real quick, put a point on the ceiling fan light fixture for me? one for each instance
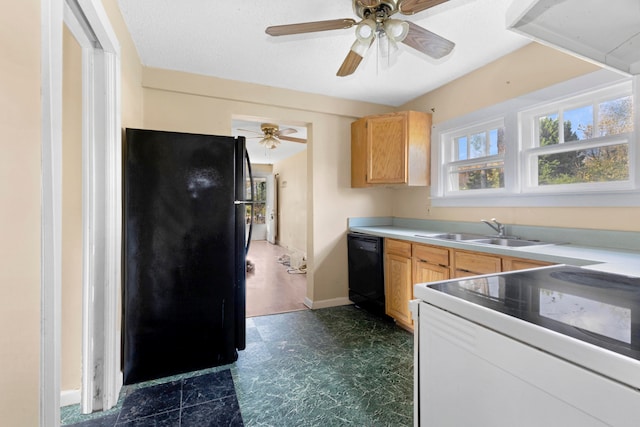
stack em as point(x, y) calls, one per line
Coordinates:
point(396, 29)
point(366, 30)
point(270, 142)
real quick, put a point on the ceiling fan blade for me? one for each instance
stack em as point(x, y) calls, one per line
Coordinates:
point(292, 139)
point(427, 42)
point(310, 27)
point(355, 56)
point(249, 130)
point(287, 131)
point(349, 64)
point(409, 7)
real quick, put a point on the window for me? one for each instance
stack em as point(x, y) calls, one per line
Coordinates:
point(475, 158)
point(577, 149)
point(579, 144)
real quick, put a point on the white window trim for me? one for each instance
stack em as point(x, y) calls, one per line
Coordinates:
point(513, 194)
point(530, 135)
point(448, 150)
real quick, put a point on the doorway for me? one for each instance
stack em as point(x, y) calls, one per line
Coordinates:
point(276, 279)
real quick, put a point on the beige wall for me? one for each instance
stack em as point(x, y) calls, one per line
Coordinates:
point(192, 103)
point(292, 202)
point(525, 70)
point(261, 168)
point(20, 212)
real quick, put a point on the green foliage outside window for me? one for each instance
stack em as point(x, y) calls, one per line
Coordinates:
point(600, 164)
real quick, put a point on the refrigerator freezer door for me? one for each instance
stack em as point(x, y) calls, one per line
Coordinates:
point(184, 254)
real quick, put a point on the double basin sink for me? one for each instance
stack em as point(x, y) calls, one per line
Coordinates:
point(478, 238)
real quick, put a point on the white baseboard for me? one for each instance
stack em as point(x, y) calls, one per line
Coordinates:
point(69, 397)
point(334, 302)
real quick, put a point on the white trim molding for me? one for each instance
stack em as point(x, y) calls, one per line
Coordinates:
point(51, 213)
point(69, 397)
point(102, 378)
point(326, 303)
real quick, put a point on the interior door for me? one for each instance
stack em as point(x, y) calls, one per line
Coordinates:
point(272, 208)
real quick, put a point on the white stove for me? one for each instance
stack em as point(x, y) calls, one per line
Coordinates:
point(556, 346)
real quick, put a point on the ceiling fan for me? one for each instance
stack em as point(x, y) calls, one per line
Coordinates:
point(272, 134)
point(376, 22)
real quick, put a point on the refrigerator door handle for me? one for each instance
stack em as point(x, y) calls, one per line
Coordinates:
point(251, 202)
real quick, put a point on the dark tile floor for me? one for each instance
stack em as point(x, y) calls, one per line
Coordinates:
point(330, 367)
point(202, 400)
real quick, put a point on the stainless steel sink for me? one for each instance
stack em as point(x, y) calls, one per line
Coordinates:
point(485, 240)
point(509, 242)
point(457, 236)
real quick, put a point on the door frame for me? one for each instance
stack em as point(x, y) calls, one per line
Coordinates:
point(102, 218)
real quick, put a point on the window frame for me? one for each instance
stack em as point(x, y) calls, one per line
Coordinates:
point(530, 135)
point(449, 150)
point(517, 190)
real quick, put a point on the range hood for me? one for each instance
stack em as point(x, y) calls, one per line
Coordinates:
point(603, 31)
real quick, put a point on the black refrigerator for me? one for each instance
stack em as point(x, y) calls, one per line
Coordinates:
point(185, 247)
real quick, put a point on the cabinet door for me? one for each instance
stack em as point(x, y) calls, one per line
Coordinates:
point(398, 288)
point(424, 272)
point(387, 149)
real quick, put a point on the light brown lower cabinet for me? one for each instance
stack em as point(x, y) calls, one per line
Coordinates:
point(409, 263)
point(399, 289)
point(405, 265)
point(398, 286)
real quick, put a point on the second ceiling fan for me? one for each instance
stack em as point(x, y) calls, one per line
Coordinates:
point(376, 23)
point(272, 134)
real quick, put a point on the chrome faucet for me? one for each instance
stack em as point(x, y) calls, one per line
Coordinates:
point(498, 226)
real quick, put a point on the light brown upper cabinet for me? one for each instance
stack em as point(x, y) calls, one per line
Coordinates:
point(391, 149)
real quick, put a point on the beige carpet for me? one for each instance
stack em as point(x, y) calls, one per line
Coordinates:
point(270, 288)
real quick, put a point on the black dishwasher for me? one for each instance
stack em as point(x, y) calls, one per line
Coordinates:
point(366, 271)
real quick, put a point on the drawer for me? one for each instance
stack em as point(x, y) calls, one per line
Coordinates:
point(431, 255)
point(513, 264)
point(477, 263)
point(397, 247)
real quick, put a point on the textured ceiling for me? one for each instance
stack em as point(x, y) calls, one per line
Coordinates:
point(226, 39)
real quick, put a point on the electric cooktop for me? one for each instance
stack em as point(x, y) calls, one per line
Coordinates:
point(602, 309)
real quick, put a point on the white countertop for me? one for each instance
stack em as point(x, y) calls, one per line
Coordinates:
point(601, 259)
